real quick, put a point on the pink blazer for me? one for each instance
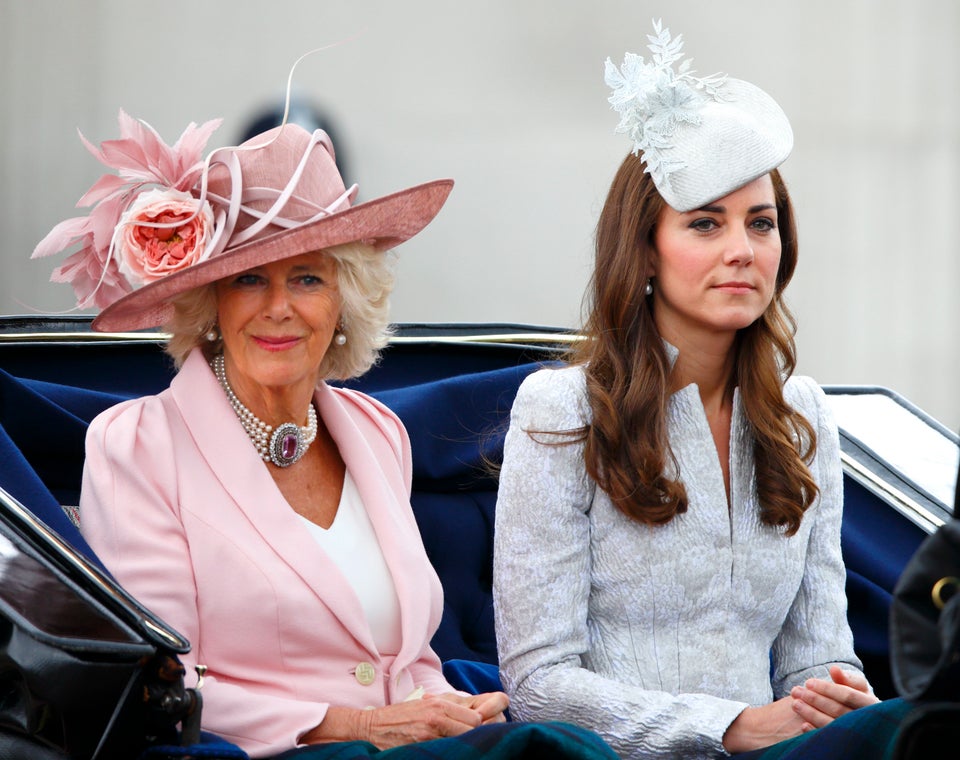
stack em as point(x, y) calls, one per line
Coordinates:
point(180, 508)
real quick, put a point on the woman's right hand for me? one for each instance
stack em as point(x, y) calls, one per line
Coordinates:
point(758, 727)
point(416, 720)
point(821, 700)
point(491, 705)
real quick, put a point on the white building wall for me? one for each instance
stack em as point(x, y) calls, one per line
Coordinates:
point(507, 97)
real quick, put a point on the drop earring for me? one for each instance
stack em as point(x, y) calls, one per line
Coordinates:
point(648, 290)
point(212, 334)
point(339, 337)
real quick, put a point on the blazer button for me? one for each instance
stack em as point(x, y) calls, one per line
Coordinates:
point(365, 673)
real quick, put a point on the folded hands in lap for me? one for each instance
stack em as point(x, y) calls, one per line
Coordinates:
point(416, 720)
point(813, 705)
point(821, 700)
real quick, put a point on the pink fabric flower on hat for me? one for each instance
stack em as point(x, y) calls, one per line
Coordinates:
point(142, 160)
point(162, 232)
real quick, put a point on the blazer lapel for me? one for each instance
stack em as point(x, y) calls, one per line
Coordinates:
point(357, 426)
point(223, 443)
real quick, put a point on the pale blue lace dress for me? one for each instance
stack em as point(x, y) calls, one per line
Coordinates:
point(657, 637)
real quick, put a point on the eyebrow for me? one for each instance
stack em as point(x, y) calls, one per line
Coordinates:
point(297, 269)
point(713, 209)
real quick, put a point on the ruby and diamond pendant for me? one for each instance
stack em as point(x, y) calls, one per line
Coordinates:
point(286, 445)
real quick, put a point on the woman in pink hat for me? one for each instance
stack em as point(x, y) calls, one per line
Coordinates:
point(259, 511)
point(667, 566)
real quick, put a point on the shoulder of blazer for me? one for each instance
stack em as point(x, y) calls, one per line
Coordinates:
point(370, 413)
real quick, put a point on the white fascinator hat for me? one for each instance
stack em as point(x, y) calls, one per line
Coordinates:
point(699, 137)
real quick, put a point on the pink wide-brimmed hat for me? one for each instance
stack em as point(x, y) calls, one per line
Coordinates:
point(179, 222)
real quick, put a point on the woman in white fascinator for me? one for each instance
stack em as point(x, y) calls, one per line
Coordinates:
point(667, 563)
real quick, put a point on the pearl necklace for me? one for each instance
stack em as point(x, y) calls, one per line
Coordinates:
point(287, 443)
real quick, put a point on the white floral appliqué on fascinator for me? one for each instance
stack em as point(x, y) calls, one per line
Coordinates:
point(653, 100)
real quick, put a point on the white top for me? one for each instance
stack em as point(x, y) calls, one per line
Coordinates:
point(658, 637)
point(352, 544)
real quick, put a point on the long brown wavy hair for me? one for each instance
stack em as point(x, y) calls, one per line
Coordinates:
point(627, 450)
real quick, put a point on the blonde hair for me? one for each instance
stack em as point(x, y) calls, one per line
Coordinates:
point(365, 278)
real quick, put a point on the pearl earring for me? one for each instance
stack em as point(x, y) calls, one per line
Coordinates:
point(340, 339)
point(648, 290)
point(212, 334)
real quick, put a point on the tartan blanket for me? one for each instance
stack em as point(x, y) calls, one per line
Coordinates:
point(869, 733)
point(497, 741)
point(866, 734)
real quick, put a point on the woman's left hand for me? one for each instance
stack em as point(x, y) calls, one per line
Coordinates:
point(821, 700)
point(490, 705)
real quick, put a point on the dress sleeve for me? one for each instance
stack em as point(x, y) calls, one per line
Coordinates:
point(816, 633)
point(542, 580)
point(130, 516)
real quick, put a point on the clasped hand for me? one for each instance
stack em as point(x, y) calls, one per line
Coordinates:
point(433, 717)
point(430, 717)
point(821, 700)
point(813, 705)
